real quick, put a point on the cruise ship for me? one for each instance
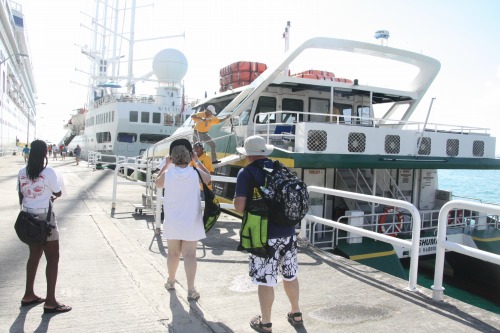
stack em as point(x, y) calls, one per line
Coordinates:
point(123, 114)
point(17, 83)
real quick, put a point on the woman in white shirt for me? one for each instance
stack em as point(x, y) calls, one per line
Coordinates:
point(37, 187)
point(183, 222)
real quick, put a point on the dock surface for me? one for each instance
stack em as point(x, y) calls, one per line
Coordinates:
point(112, 271)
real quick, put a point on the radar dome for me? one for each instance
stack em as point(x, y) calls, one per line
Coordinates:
point(170, 65)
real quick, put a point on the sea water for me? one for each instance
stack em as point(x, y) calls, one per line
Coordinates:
point(476, 185)
point(479, 185)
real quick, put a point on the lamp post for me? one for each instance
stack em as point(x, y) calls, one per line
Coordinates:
point(13, 55)
point(36, 121)
point(28, 128)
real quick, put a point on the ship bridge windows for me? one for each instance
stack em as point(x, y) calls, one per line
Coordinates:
point(133, 116)
point(151, 138)
point(156, 117)
point(364, 114)
point(317, 107)
point(126, 137)
point(264, 106)
point(345, 111)
point(290, 104)
point(144, 117)
point(102, 137)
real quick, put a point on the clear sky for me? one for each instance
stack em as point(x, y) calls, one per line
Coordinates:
point(464, 35)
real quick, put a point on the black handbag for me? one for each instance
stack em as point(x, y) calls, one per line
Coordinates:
point(32, 230)
point(212, 206)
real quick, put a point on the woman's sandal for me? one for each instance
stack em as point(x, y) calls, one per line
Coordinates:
point(256, 324)
point(291, 318)
point(61, 308)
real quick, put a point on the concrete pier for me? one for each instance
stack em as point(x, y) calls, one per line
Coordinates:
point(112, 271)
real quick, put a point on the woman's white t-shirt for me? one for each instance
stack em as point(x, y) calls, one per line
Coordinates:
point(182, 205)
point(37, 193)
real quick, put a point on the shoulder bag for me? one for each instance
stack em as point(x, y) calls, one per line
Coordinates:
point(212, 206)
point(32, 230)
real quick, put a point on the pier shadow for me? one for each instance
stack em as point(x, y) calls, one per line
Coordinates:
point(359, 272)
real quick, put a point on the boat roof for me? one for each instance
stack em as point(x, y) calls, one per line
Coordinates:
point(428, 68)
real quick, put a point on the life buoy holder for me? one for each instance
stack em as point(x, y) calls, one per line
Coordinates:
point(398, 225)
point(455, 216)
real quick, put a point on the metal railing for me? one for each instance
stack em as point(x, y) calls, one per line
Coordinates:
point(412, 244)
point(264, 125)
point(9, 151)
point(443, 244)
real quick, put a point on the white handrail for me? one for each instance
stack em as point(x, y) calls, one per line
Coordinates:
point(412, 245)
point(116, 182)
point(443, 244)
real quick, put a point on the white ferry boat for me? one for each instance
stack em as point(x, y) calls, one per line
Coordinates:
point(350, 133)
point(117, 120)
point(17, 84)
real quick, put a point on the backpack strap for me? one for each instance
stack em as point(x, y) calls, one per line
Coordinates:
point(205, 187)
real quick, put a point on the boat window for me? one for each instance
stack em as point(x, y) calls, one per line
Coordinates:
point(144, 117)
point(245, 115)
point(264, 106)
point(134, 116)
point(151, 138)
point(126, 137)
point(102, 137)
point(290, 104)
point(156, 117)
point(364, 114)
point(345, 110)
point(317, 107)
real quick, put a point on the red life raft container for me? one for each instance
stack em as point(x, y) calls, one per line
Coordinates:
point(239, 74)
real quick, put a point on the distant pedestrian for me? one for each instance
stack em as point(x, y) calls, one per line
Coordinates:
point(55, 151)
point(37, 186)
point(26, 153)
point(49, 150)
point(183, 223)
point(282, 242)
point(77, 152)
point(64, 152)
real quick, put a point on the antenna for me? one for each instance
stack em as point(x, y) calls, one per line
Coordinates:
point(382, 35)
point(286, 36)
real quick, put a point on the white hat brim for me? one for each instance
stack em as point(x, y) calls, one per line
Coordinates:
point(268, 151)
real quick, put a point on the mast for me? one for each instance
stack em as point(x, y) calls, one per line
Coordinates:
point(131, 47)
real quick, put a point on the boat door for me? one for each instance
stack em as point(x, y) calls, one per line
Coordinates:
point(316, 177)
point(428, 186)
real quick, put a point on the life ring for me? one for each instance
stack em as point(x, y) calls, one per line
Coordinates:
point(382, 228)
point(455, 216)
